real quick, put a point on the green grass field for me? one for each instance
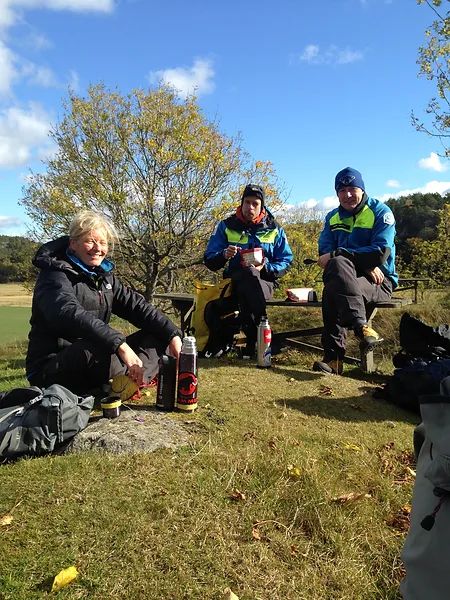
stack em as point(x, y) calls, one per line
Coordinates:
point(14, 323)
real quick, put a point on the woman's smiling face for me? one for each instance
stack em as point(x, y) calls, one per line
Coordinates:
point(92, 248)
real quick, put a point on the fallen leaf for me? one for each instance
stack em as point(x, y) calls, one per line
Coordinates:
point(228, 595)
point(273, 444)
point(291, 379)
point(6, 520)
point(64, 577)
point(325, 390)
point(238, 495)
point(400, 520)
point(282, 415)
point(163, 492)
point(410, 471)
point(351, 497)
point(294, 471)
point(255, 533)
point(352, 447)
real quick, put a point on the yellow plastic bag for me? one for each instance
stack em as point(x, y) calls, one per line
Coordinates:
point(204, 293)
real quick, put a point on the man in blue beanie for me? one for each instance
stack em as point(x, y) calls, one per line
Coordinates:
point(357, 254)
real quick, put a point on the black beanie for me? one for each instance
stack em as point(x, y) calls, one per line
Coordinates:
point(253, 190)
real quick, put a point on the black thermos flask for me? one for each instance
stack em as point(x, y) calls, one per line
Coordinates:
point(167, 383)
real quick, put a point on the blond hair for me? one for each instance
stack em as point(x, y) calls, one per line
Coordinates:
point(87, 221)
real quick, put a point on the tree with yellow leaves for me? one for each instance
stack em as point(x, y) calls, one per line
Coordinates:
point(155, 166)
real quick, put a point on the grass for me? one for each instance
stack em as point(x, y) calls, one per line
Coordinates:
point(250, 504)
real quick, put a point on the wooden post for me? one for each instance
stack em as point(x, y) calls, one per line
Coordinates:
point(367, 362)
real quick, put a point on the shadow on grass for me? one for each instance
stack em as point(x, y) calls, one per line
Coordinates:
point(353, 409)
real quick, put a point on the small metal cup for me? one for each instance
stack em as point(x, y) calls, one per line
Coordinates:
point(111, 407)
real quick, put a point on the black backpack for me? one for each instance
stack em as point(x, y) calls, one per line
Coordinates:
point(35, 421)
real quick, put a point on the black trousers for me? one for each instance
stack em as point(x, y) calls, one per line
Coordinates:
point(251, 292)
point(83, 366)
point(345, 296)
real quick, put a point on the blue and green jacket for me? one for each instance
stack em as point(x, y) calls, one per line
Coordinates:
point(266, 234)
point(366, 236)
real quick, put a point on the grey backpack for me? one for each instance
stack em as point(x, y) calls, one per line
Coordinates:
point(36, 421)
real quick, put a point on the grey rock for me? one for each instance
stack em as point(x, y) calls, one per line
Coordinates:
point(143, 430)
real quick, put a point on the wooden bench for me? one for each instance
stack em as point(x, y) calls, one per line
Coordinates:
point(185, 303)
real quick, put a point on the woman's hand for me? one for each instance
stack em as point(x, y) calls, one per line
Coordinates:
point(175, 347)
point(129, 357)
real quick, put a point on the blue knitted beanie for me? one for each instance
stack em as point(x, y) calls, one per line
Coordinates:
point(348, 177)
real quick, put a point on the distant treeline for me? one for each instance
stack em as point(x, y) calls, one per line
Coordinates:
point(16, 253)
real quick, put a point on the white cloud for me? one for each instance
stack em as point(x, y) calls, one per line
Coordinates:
point(43, 76)
point(7, 223)
point(193, 80)
point(23, 135)
point(433, 163)
point(429, 188)
point(8, 72)
point(331, 55)
point(393, 183)
point(10, 10)
point(320, 205)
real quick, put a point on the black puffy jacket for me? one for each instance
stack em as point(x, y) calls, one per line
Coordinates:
point(69, 304)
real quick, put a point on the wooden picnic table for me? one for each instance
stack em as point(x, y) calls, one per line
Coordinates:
point(185, 302)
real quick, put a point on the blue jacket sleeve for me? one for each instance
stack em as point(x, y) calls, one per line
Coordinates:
point(280, 261)
point(327, 242)
point(213, 257)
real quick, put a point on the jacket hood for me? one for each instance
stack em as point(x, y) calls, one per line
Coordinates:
point(52, 255)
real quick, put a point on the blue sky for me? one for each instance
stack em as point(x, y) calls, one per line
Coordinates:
point(313, 86)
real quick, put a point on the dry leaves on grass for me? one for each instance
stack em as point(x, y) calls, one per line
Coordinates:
point(8, 518)
point(352, 447)
point(294, 471)
point(272, 445)
point(229, 595)
point(64, 577)
point(399, 521)
point(238, 495)
point(398, 464)
point(351, 497)
point(325, 390)
point(261, 537)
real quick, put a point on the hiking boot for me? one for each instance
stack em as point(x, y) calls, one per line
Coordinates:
point(369, 338)
point(123, 387)
point(336, 367)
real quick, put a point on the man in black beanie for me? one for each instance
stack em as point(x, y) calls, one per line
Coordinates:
point(357, 254)
point(253, 274)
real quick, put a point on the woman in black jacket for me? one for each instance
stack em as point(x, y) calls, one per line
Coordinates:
point(71, 341)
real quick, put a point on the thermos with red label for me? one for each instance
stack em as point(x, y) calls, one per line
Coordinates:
point(187, 376)
point(263, 341)
point(167, 383)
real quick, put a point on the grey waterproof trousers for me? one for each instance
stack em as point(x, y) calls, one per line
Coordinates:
point(344, 299)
